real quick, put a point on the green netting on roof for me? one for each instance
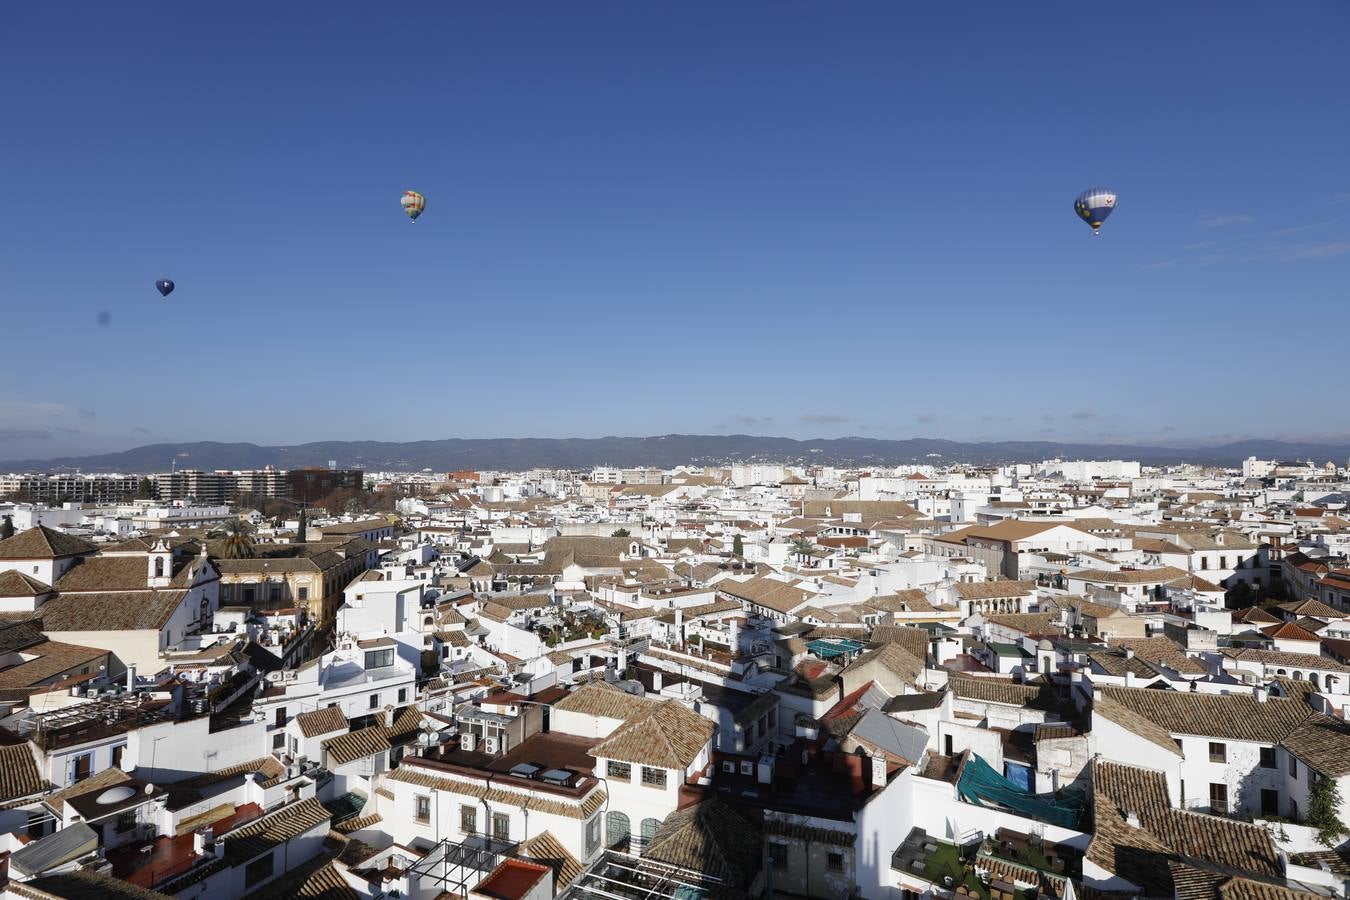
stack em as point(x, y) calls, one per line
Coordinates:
point(829, 648)
point(982, 786)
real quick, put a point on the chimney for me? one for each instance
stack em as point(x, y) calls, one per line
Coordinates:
point(1129, 678)
point(878, 771)
point(735, 636)
point(131, 676)
point(656, 682)
point(1129, 653)
point(1261, 694)
point(679, 624)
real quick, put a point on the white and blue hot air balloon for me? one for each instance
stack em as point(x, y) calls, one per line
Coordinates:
point(1094, 205)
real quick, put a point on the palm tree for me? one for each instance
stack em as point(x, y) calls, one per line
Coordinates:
point(238, 539)
point(803, 546)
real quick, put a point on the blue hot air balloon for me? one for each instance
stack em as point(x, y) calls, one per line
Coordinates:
point(1094, 205)
point(164, 286)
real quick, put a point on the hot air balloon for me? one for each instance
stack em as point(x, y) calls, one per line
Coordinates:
point(1094, 205)
point(413, 204)
point(164, 286)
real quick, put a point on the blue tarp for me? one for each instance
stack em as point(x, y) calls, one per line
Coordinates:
point(981, 785)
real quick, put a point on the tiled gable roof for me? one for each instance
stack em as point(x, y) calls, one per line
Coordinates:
point(17, 584)
point(994, 590)
point(19, 775)
point(998, 690)
point(709, 837)
point(1238, 717)
point(893, 658)
point(547, 849)
point(1162, 651)
point(603, 700)
point(354, 745)
point(130, 611)
point(321, 721)
point(1027, 623)
point(669, 736)
point(42, 542)
point(1143, 854)
point(257, 837)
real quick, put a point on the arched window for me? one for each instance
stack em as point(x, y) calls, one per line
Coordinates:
point(617, 830)
point(159, 567)
point(1298, 676)
point(649, 827)
point(1312, 676)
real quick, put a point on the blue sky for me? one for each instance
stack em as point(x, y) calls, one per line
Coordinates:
point(807, 219)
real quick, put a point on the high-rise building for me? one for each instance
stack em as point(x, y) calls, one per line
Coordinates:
point(41, 487)
point(311, 485)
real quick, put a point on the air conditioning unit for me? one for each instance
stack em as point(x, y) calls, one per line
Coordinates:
point(490, 745)
point(467, 741)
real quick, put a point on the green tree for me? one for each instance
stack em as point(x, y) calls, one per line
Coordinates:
point(802, 546)
point(145, 489)
point(7, 528)
point(737, 546)
point(1324, 800)
point(622, 532)
point(236, 539)
point(301, 528)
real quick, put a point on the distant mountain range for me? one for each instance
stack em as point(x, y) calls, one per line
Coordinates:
point(665, 451)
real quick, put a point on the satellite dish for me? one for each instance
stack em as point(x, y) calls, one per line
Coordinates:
point(149, 789)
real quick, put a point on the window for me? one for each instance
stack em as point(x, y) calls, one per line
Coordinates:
point(1293, 765)
point(1270, 802)
point(302, 593)
point(616, 829)
point(279, 740)
point(117, 755)
point(125, 821)
point(374, 701)
point(501, 826)
point(1267, 758)
point(1218, 797)
point(653, 777)
point(778, 856)
point(1204, 562)
point(402, 695)
point(468, 819)
point(422, 808)
point(747, 767)
point(834, 862)
point(593, 835)
point(1223, 562)
point(729, 767)
point(619, 770)
point(378, 659)
point(1218, 752)
point(280, 718)
point(82, 767)
point(258, 871)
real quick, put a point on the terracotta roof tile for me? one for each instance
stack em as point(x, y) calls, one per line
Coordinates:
point(669, 736)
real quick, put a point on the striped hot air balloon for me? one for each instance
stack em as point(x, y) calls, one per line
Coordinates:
point(413, 204)
point(1094, 205)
